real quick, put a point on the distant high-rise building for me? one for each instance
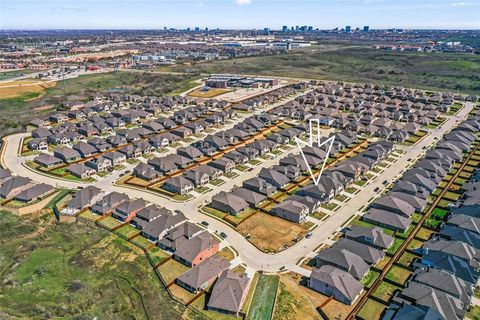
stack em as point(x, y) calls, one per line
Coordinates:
point(197, 29)
point(266, 31)
point(292, 28)
point(284, 28)
point(310, 28)
point(366, 28)
point(348, 29)
point(206, 29)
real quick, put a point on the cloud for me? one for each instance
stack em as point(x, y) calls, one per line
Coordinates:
point(242, 2)
point(460, 4)
point(71, 8)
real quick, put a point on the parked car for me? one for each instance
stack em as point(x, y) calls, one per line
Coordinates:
point(309, 234)
point(204, 223)
point(223, 235)
point(376, 189)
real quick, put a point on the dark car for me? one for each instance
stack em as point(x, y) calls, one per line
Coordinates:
point(204, 223)
point(376, 189)
point(223, 235)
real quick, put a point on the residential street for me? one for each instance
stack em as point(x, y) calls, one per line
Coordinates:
point(248, 253)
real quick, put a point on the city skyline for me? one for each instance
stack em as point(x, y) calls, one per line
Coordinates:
point(238, 14)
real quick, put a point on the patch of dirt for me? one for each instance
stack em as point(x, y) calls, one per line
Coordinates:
point(293, 302)
point(45, 107)
point(271, 234)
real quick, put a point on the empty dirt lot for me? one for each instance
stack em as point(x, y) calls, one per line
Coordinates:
point(271, 234)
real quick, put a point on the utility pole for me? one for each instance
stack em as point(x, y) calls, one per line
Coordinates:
point(63, 79)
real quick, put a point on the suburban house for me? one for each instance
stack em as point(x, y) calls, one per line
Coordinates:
point(372, 236)
point(13, 186)
point(47, 161)
point(115, 157)
point(203, 275)
point(179, 185)
point(178, 235)
point(229, 202)
point(82, 199)
point(229, 293)
point(344, 260)
point(196, 250)
point(291, 210)
point(146, 172)
point(100, 164)
point(336, 283)
point(35, 192)
point(66, 154)
point(108, 203)
point(259, 185)
point(80, 170)
point(126, 210)
point(162, 222)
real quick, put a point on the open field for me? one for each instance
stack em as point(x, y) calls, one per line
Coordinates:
point(19, 110)
point(14, 89)
point(433, 71)
point(269, 233)
point(5, 75)
point(75, 271)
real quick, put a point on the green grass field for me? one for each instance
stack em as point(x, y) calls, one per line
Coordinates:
point(263, 298)
point(75, 271)
point(432, 71)
point(14, 111)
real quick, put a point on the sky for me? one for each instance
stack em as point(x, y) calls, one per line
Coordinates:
point(238, 14)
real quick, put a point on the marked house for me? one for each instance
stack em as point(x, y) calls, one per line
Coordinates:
point(291, 210)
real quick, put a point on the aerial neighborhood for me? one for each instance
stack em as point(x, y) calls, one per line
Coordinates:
point(227, 196)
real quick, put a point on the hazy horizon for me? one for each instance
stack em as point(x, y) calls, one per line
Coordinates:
point(238, 14)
